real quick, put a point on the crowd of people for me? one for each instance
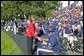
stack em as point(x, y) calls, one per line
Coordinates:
point(17, 26)
point(67, 23)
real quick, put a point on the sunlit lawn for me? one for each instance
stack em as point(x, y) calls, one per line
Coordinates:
point(8, 46)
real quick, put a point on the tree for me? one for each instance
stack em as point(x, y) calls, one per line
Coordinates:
point(9, 10)
point(39, 9)
point(68, 3)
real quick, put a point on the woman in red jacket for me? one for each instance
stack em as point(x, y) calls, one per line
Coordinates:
point(30, 34)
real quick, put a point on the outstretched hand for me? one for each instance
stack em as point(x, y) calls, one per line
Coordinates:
point(44, 39)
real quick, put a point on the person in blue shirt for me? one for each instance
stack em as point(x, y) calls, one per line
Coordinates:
point(61, 31)
point(19, 27)
point(45, 30)
point(54, 41)
point(40, 31)
point(39, 34)
point(75, 32)
point(52, 25)
point(80, 32)
point(25, 25)
point(67, 30)
point(47, 22)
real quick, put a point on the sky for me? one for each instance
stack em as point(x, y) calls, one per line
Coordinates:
point(65, 3)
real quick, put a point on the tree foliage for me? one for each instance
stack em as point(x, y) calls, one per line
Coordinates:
point(40, 9)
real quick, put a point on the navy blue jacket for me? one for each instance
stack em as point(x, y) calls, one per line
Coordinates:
point(54, 40)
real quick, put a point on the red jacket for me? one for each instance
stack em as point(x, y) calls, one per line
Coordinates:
point(31, 31)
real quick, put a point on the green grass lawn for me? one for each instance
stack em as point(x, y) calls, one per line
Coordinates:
point(8, 46)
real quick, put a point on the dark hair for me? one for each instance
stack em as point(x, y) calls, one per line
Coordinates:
point(40, 25)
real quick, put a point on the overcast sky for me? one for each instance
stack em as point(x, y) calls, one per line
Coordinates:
point(65, 3)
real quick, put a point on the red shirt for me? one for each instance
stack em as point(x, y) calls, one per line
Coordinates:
point(31, 31)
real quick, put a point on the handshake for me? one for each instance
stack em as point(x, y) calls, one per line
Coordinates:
point(43, 39)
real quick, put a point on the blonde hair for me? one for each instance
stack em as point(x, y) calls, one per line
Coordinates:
point(32, 19)
point(78, 26)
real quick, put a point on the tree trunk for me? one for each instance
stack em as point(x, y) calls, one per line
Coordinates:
point(68, 3)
